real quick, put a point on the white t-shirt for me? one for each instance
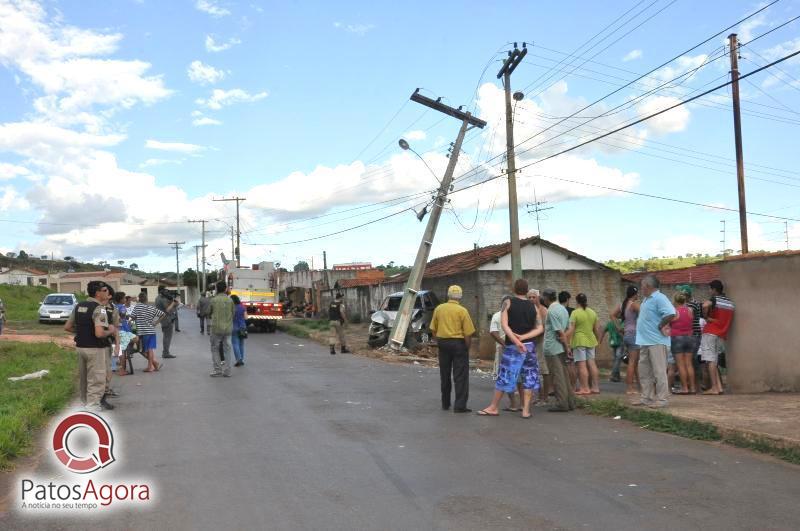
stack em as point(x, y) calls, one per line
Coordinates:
point(496, 325)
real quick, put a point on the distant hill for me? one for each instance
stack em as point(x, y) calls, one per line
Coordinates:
point(635, 265)
point(56, 266)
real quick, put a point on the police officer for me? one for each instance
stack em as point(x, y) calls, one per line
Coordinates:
point(337, 318)
point(89, 321)
point(167, 304)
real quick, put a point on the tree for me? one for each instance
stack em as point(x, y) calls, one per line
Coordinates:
point(44, 257)
point(120, 262)
point(301, 266)
point(22, 255)
point(11, 255)
point(189, 277)
point(69, 258)
point(134, 266)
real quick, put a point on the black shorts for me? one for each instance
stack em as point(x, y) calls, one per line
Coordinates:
point(683, 344)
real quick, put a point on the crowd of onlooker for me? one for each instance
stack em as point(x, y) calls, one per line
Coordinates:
point(546, 347)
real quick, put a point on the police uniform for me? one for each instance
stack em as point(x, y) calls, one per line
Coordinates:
point(92, 350)
point(336, 317)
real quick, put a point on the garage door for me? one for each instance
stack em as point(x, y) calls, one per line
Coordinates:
point(70, 287)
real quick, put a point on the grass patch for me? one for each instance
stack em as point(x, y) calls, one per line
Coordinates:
point(36, 328)
point(26, 406)
point(691, 429)
point(303, 327)
point(652, 419)
point(22, 302)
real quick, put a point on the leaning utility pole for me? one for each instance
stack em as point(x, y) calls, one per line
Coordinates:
point(177, 246)
point(737, 129)
point(237, 252)
point(414, 281)
point(509, 64)
point(202, 222)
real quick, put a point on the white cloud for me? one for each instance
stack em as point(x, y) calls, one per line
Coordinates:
point(63, 62)
point(211, 7)
point(632, 55)
point(214, 46)
point(11, 200)
point(222, 98)
point(204, 74)
point(158, 162)
point(11, 171)
point(357, 29)
point(671, 121)
point(205, 120)
point(177, 147)
point(415, 135)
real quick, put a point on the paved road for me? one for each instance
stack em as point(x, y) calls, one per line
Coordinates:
point(299, 439)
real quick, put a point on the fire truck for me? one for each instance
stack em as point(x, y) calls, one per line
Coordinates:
point(256, 287)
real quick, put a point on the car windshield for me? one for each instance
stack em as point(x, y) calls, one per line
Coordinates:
point(58, 300)
point(392, 304)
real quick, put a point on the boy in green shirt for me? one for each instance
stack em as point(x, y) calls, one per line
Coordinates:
point(613, 328)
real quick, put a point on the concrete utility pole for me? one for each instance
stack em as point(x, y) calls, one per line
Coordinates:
point(237, 251)
point(509, 64)
point(737, 130)
point(414, 282)
point(723, 241)
point(203, 222)
point(786, 233)
point(177, 246)
point(197, 267)
point(325, 268)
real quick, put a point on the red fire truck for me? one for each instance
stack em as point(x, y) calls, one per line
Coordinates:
point(256, 287)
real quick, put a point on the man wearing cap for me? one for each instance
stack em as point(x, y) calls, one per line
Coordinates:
point(453, 329)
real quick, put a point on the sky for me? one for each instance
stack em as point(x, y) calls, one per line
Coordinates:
point(121, 121)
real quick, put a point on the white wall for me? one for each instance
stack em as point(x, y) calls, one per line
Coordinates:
point(21, 278)
point(532, 255)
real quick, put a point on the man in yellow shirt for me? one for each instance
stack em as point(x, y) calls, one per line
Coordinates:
point(453, 328)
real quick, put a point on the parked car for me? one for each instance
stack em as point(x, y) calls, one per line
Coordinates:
point(419, 332)
point(57, 307)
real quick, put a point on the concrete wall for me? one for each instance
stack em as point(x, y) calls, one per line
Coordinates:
point(761, 353)
point(700, 292)
point(536, 257)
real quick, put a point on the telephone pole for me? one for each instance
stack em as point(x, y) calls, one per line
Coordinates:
point(203, 229)
point(414, 282)
point(177, 246)
point(737, 130)
point(722, 241)
point(197, 267)
point(237, 250)
point(509, 64)
point(786, 233)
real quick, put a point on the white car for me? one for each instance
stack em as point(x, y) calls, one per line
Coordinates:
point(57, 307)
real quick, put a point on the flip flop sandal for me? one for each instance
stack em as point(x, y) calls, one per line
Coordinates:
point(512, 409)
point(484, 413)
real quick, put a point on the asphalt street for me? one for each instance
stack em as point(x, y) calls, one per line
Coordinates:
point(300, 439)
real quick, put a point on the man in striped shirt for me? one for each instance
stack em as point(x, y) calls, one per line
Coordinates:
point(146, 317)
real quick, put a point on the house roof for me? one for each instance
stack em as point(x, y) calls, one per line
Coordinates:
point(12, 270)
point(467, 261)
point(92, 274)
point(366, 277)
point(702, 274)
point(762, 255)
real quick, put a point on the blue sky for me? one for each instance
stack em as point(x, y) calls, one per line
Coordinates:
point(122, 120)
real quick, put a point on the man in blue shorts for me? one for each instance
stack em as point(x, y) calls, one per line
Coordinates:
point(146, 317)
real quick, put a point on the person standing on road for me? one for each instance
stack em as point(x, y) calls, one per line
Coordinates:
point(89, 321)
point(718, 312)
point(177, 305)
point(166, 303)
point(583, 332)
point(653, 338)
point(239, 332)
point(563, 299)
point(202, 312)
point(337, 317)
point(628, 311)
point(453, 329)
point(613, 329)
point(146, 317)
point(221, 313)
point(556, 349)
point(682, 343)
point(544, 371)
point(2, 315)
point(499, 336)
point(521, 326)
point(697, 329)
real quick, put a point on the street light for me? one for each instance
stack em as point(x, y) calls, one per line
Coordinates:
point(406, 147)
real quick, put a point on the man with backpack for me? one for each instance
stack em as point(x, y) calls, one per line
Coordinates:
point(337, 318)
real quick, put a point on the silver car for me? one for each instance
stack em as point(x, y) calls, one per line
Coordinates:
point(57, 307)
point(383, 320)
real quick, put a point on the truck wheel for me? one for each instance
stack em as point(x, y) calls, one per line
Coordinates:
point(271, 327)
point(378, 341)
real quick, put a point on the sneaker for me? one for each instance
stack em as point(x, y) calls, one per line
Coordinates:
point(238, 364)
point(226, 374)
point(344, 350)
point(105, 405)
point(168, 356)
point(641, 403)
point(464, 410)
point(333, 351)
point(657, 405)
point(112, 393)
point(215, 374)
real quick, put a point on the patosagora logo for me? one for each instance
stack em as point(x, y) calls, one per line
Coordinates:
point(102, 457)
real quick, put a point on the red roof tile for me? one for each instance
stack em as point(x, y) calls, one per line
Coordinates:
point(702, 274)
point(90, 274)
point(473, 259)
